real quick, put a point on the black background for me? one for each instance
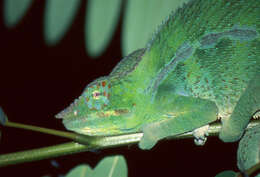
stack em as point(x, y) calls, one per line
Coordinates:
point(37, 81)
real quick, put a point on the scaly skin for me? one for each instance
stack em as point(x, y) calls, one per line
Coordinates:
point(193, 71)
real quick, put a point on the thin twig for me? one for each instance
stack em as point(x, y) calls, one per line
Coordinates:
point(96, 143)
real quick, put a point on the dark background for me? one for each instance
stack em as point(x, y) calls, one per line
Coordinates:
point(37, 81)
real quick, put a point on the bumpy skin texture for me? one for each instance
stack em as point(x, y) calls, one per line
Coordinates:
point(193, 71)
point(248, 153)
point(247, 105)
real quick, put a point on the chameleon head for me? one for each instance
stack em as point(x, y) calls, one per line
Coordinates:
point(97, 112)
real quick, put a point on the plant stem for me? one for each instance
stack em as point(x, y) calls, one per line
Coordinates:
point(40, 129)
point(39, 154)
point(251, 170)
point(83, 139)
point(93, 143)
point(67, 148)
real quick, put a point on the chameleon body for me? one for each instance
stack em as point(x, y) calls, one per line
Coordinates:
point(248, 153)
point(192, 72)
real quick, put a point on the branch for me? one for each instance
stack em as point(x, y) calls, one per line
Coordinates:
point(94, 143)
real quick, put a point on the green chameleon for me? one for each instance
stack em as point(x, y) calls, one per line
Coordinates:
point(192, 72)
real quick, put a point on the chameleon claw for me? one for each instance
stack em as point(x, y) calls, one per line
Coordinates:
point(146, 143)
point(256, 115)
point(200, 135)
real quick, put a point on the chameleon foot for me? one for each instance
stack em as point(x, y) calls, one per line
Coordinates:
point(257, 115)
point(200, 135)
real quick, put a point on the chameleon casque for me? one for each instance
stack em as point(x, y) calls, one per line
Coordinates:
point(193, 71)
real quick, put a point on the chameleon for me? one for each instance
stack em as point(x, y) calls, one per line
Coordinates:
point(193, 71)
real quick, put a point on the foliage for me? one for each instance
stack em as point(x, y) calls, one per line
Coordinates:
point(109, 167)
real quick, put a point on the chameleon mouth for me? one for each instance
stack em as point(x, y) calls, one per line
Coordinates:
point(116, 112)
point(91, 126)
point(94, 116)
point(99, 131)
point(100, 114)
point(96, 123)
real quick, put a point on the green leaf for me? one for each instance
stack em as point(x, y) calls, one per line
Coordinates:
point(101, 19)
point(114, 166)
point(227, 173)
point(14, 11)
point(58, 17)
point(141, 20)
point(80, 171)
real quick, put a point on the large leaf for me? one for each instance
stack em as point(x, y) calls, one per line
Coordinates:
point(114, 166)
point(141, 20)
point(14, 11)
point(111, 167)
point(58, 17)
point(227, 173)
point(80, 171)
point(101, 19)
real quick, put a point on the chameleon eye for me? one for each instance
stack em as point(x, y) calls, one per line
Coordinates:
point(97, 95)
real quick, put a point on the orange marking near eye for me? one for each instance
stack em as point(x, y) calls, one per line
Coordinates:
point(103, 83)
point(109, 86)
